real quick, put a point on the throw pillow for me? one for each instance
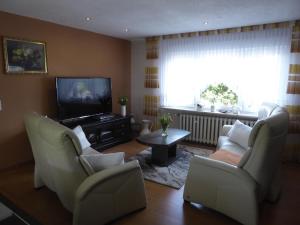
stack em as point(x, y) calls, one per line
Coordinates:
point(83, 141)
point(239, 133)
point(96, 162)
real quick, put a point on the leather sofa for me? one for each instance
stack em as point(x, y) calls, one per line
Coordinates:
point(96, 198)
point(237, 190)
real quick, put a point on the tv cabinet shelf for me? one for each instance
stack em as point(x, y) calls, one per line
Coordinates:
point(104, 133)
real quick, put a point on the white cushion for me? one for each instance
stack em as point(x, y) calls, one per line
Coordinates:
point(83, 141)
point(93, 163)
point(89, 151)
point(239, 133)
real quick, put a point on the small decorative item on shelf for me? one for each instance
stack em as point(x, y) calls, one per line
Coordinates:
point(199, 107)
point(165, 122)
point(123, 101)
point(219, 93)
point(235, 109)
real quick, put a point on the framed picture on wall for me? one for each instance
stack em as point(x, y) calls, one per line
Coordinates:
point(23, 56)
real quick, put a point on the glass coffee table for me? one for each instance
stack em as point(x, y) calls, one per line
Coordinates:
point(164, 148)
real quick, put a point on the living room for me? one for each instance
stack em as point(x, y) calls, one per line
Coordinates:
point(133, 52)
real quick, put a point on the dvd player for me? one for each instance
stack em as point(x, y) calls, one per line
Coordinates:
point(106, 116)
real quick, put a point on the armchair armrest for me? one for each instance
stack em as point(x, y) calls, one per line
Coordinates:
point(223, 187)
point(109, 194)
point(222, 167)
point(225, 130)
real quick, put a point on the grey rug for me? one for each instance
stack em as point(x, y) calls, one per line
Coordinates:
point(173, 175)
point(10, 215)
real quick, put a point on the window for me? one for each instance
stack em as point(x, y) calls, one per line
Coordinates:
point(253, 64)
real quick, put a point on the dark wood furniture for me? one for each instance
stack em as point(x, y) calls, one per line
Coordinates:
point(164, 149)
point(104, 131)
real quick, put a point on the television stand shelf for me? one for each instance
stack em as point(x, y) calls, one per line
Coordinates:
point(106, 132)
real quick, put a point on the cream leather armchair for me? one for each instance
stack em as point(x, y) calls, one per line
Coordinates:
point(93, 199)
point(236, 191)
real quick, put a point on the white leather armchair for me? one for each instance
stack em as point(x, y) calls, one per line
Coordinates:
point(236, 191)
point(93, 199)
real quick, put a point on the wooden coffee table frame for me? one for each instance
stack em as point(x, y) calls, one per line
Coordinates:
point(164, 149)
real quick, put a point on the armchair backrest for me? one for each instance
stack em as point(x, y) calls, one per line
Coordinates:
point(266, 109)
point(266, 142)
point(55, 156)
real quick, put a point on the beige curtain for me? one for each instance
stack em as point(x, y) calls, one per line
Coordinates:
point(151, 82)
point(292, 151)
point(152, 98)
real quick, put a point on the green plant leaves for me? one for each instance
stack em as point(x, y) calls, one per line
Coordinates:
point(219, 93)
point(123, 100)
point(165, 120)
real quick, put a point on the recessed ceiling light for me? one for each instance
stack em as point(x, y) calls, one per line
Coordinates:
point(126, 30)
point(87, 18)
point(205, 23)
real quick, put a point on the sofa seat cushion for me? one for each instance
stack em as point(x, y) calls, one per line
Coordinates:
point(227, 157)
point(225, 144)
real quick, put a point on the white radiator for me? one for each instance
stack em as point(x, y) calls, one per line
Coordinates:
point(205, 128)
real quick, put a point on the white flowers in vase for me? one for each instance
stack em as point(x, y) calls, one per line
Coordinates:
point(219, 93)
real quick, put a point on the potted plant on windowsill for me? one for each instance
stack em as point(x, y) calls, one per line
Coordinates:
point(219, 93)
point(165, 121)
point(123, 102)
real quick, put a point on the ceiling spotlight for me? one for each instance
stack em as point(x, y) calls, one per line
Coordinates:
point(87, 18)
point(126, 30)
point(205, 23)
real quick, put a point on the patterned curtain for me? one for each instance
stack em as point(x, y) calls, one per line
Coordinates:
point(151, 82)
point(292, 152)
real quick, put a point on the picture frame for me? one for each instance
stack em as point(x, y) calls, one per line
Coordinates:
point(24, 56)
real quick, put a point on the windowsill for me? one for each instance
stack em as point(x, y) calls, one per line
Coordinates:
point(240, 115)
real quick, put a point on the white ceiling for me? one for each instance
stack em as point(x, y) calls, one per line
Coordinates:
point(154, 17)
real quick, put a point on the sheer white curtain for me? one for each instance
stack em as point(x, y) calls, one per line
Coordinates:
point(253, 64)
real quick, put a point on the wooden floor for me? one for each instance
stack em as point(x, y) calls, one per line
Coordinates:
point(165, 205)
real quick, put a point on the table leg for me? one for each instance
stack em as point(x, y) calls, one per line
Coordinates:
point(163, 155)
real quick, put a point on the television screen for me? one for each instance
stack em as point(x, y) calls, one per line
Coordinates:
point(83, 96)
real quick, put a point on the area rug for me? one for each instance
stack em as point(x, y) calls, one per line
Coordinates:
point(173, 175)
point(11, 215)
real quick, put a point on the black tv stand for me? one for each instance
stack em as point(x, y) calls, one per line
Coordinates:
point(103, 131)
point(103, 117)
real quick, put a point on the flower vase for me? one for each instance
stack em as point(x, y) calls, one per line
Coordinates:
point(146, 127)
point(212, 108)
point(123, 110)
point(164, 131)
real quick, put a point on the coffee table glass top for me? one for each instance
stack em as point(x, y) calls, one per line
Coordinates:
point(155, 138)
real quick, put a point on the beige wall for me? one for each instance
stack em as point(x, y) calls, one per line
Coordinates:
point(70, 52)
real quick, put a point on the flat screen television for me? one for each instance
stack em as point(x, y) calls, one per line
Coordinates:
point(83, 96)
